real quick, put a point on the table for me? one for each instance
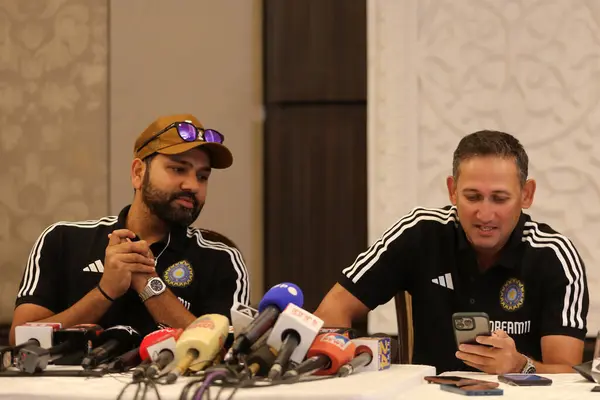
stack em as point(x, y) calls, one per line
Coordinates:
point(564, 387)
point(387, 384)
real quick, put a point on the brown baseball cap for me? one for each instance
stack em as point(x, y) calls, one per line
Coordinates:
point(169, 142)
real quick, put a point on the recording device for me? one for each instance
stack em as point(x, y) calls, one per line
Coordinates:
point(468, 325)
point(326, 355)
point(73, 344)
point(199, 344)
point(158, 349)
point(372, 354)
point(241, 316)
point(292, 335)
point(524, 380)
point(271, 305)
point(113, 342)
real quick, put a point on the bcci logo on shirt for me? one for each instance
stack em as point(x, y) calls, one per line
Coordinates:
point(179, 274)
point(512, 295)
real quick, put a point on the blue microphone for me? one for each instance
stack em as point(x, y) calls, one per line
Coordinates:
point(271, 305)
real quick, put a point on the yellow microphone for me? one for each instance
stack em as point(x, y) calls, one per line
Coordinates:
point(199, 344)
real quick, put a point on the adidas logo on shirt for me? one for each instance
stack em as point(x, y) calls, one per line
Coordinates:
point(96, 266)
point(444, 281)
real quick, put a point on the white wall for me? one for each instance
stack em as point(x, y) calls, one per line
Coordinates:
point(441, 69)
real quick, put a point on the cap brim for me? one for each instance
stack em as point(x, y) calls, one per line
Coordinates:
point(220, 156)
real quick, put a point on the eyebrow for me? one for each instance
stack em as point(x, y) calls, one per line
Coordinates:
point(493, 192)
point(190, 165)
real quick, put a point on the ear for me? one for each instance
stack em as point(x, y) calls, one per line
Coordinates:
point(138, 168)
point(451, 184)
point(528, 193)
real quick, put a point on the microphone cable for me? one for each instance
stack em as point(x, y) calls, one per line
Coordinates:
point(142, 389)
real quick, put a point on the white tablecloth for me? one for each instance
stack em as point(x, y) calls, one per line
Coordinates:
point(388, 384)
point(564, 387)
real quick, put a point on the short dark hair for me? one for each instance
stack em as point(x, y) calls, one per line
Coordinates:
point(491, 143)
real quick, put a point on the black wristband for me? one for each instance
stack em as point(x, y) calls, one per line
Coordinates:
point(104, 293)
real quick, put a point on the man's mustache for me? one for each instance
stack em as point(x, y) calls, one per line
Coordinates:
point(186, 196)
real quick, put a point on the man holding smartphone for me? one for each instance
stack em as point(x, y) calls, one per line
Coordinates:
point(481, 254)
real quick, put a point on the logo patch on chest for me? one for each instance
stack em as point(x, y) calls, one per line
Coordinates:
point(512, 295)
point(179, 274)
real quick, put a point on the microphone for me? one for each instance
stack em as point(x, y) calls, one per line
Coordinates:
point(271, 305)
point(326, 355)
point(123, 363)
point(28, 334)
point(157, 350)
point(199, 344)
point(36, 333)
point(292, 335)
point(241, 316)
point(83, 337)
point(372, 354)
point(259, 361)
point(72, 343)
point(114, 341)
point(350, 333)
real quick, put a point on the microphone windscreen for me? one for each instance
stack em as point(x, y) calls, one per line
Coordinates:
point(281, 295)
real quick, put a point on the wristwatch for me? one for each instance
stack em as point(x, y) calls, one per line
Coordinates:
point(154, 287)
point(529, 367)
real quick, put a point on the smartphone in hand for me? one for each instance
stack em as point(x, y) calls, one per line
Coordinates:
point(468, 325)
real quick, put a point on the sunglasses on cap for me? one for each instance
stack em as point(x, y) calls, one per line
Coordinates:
point(189, 133)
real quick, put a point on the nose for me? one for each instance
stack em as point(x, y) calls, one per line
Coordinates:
point(485, 212)
point(191, 184)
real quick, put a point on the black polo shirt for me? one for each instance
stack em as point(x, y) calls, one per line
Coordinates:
point(538, 287)
point(203, 269)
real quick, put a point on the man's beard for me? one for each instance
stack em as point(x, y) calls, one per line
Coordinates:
point(162, 205)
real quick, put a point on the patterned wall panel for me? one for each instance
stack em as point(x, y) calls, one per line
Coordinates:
point(53, 124)
point(439, 69)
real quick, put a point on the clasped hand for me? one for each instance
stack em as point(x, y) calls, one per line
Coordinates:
point(126, 264)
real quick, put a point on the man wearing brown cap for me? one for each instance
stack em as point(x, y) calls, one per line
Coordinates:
point(145, 267)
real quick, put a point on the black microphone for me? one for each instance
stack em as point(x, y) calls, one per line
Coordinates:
point(124, 362)
point(260, 361)
point(140, 371)
point(271, 305)
point(362, 359)
point(115, 341)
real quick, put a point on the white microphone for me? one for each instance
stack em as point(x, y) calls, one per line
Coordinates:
point(292, 336)
point(40, 332)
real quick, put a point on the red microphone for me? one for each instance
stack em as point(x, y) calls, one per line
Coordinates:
point(325, 357)
point(156, 351)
